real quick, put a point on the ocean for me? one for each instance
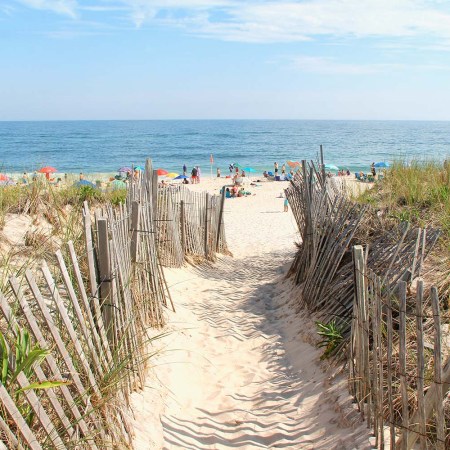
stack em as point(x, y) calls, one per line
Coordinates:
point(104, 146)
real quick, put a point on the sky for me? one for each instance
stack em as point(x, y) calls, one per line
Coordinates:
point(224, 59)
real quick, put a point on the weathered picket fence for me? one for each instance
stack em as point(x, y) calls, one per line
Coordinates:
point(396, 370)
point(328, 221)
point(92, 312)
point(189, 224)
point(369, 310)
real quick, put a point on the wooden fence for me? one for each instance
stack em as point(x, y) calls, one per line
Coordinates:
point(189, 225)
point(92, 315)
point(328, 222)
point(396, 370)
point(367, 296)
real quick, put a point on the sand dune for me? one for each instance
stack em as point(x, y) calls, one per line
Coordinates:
point(237, 370)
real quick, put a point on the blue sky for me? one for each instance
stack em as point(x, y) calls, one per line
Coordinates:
point(220, 59)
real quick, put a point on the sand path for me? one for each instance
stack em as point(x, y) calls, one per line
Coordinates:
point(236, 373)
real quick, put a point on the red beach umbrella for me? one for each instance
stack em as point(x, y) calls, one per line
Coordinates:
point(161, 172)
point(47, 169)
point(3, 177)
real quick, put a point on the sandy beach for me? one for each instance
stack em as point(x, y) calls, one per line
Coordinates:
point(239, 368)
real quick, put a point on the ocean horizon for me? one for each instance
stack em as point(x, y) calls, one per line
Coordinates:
point(93, 146)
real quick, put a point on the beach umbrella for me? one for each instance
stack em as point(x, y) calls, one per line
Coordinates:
point(293, 164)
point(85, 183)
point(172, 175)
point(382, 164)
point(47, 169)
point(181, 177)
point(124, 169)
point(140, 168)
point(249, 170)
point(118, 184)
point(331, 167)
point(3, 177)
point(161, 172)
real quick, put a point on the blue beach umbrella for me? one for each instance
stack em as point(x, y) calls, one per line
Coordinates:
point(180, 177)
point(140, 168)
point(382, 164)
point(331, 167)
point(85, 183)
point(249, 170)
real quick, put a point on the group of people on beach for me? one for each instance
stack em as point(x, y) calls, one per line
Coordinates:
point(195, 175)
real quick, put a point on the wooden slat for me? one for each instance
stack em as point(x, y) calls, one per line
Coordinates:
point(402, 358)
point(22, 426)
point(440, 420)
point(420, 365)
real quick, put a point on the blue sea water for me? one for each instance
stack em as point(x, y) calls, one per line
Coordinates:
point(104, 146)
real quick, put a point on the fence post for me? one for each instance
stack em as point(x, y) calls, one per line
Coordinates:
point(361, 322)
point(89, 249)
point(402, 358)
point(219, 225)
point(440, 421)
point(207, 225)
point(183, 226)
point(322, 165)
point(104, 265)
point(135, 213)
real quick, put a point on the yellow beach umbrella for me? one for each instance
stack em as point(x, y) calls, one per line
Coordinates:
point(172, 175)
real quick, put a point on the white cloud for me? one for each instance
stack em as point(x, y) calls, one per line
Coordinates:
point(275, 21)
point(65, 7)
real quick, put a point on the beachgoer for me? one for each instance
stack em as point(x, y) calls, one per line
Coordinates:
point(265, 174)
point(243, 174)
point(231, 167)
point(25, 178)
point(283, 169)
point(185, 181)
point(348, 172)
point(286, 204)
point(227, 193)
point(218, 172)
point(35, 176)
point(184, 169)
point(81, 176)
point(136, 174)
point(65, 178)
point(237, 170)
point(198, 174)
point(275, 165)
point(372, 169)
point(194, 175)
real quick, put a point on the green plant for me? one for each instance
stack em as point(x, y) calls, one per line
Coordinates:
point(331, 336)
point(22, 359)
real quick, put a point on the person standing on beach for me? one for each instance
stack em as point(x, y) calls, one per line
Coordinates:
point(283, 169)
point(275, 166)
point(218, 172)
point(81, 176)
point(286, 204)
point(198, 174)
point(194, 175)
point(372, 169)
point(184, 169)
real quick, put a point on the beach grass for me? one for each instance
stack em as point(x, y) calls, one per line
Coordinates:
point(419, 193)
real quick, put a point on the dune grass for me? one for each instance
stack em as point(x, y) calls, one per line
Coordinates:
point(418, 193)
